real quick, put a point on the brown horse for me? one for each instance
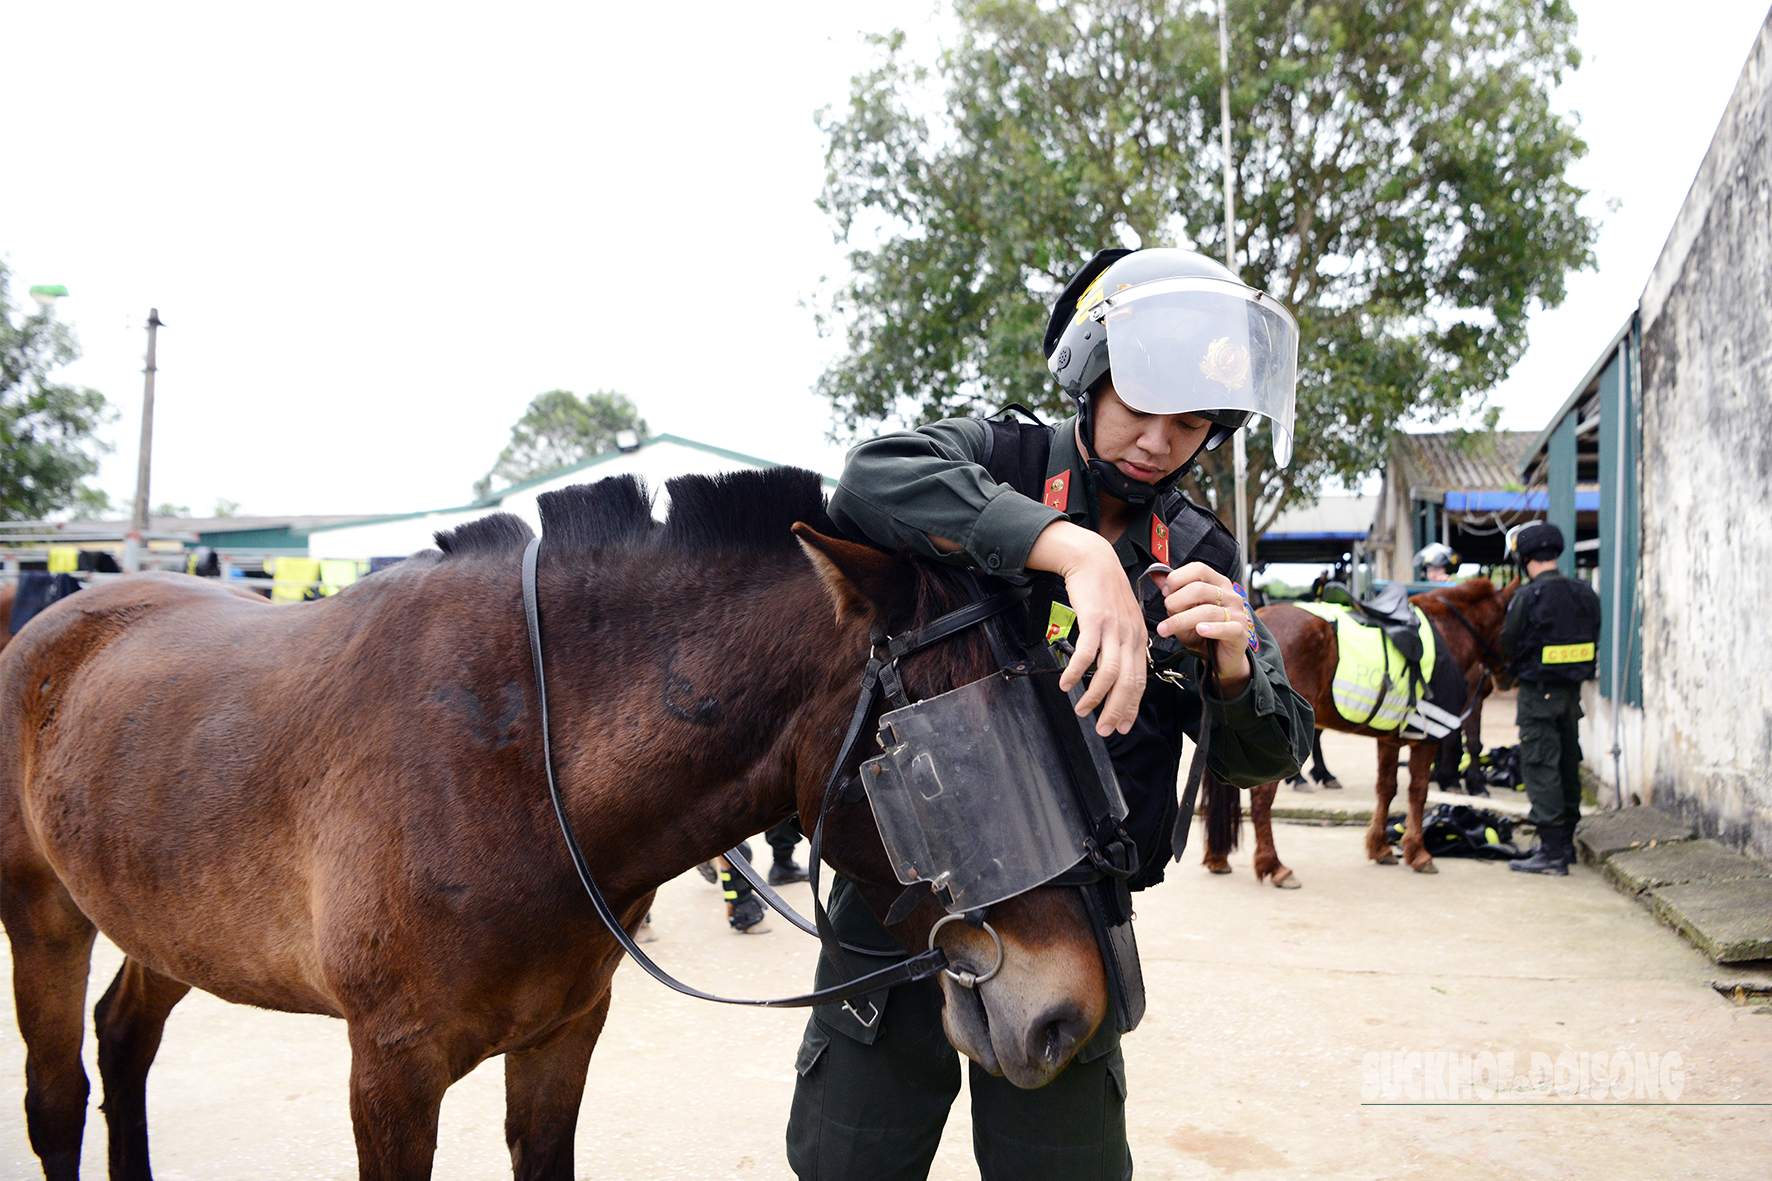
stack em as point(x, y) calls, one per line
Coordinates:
point(1468, 616)
point(339, 807)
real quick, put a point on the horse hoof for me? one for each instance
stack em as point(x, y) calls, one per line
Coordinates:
point(1286, 880)
point(1389, 858)
point(1218, 868)
point(1303, 786)
point(1332, 784)
point(1427, 866)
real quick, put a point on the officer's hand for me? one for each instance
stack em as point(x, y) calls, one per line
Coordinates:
point(1208, 613)
point(1110, 625)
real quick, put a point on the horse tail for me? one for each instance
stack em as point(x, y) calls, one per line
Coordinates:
point(1224, 814)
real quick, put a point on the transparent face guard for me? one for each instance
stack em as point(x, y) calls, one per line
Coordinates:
point(974, 793)
point(1179, 346)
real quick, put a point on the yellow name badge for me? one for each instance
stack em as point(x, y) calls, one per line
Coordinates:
point(1062, 621)
point(1567, 654)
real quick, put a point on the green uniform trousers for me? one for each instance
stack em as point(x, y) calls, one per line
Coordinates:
point(1550, 751)
point(871, 1100)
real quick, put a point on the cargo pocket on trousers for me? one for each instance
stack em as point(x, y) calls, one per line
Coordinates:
point(1116, 1070)
point(812, 1047)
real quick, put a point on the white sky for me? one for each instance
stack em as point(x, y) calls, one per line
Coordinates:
point(376, 231)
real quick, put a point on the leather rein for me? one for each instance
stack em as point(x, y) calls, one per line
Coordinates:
point(1493, 660)
point(881, 673)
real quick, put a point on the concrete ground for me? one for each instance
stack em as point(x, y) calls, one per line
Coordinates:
point(1278, 1042)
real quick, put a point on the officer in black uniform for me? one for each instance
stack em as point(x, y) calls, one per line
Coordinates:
point(1551, 632)
point(1082, 511)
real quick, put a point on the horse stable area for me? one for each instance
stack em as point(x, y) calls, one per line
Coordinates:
point(1324, 1032)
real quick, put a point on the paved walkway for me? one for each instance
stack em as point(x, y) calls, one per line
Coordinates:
point(1290, 1034)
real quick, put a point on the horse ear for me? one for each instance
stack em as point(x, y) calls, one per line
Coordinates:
point(862, 581)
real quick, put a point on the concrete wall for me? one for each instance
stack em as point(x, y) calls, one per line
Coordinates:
point(1707, 485)
point(1612, 748)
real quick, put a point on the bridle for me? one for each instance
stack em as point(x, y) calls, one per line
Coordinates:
point(1493, 660)
point(881, 676)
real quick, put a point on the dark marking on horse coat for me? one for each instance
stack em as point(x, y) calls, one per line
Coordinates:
point(681, 702)
point(495, 733)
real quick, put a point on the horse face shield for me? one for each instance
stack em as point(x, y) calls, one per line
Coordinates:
point(977, 796)
point(997, 787)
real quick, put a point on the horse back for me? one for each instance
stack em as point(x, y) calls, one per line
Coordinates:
point(199, 769)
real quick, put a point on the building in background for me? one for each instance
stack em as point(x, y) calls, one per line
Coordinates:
point(1671, 425)
point(1459, 487)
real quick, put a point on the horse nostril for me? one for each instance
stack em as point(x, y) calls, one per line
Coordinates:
point(1053, 1040)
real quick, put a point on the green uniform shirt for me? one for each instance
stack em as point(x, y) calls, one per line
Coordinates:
point(900, 488)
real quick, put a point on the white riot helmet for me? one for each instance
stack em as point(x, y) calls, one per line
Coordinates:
point(1181, 335)
point(1437, 553)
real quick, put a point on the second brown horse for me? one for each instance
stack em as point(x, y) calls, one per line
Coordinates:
point(1468, 616)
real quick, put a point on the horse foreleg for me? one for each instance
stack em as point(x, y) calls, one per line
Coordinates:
point(544, 1085)
point(128, 1022)
point(397, 1085)
point(1267, 858)
point(1319, 768)
point(1421, 768)
point(51, 958)
point(1378, 842)
point(1474, 783)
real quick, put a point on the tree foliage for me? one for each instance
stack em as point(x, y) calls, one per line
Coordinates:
point(47, 448)
point(560, 429)
point(1400, 185)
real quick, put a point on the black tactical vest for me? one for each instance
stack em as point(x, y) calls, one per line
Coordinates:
point(1562, 631)
point(1147, 760)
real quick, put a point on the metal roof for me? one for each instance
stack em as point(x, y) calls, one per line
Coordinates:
point(1429, 465)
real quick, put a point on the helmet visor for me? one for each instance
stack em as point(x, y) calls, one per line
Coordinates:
point(1198, 345)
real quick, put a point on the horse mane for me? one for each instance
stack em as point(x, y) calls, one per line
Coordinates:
point(1465, 594)
point(498, 534)
point(742, 510)
point(750, 510)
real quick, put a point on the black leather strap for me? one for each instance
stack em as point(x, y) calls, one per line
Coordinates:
point(917, 967)
point(1499, 665)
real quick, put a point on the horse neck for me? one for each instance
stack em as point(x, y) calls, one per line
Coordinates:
point(688, 699)
point(1484, 614)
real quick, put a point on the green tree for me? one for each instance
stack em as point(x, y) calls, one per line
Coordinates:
point(47, 448)
point(1400, 182)
point(560, 429)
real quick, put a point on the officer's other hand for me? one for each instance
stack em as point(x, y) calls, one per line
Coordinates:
point(1110, 625)
point(1206, 612)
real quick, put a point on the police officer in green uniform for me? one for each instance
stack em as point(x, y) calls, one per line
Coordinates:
point(1166, 354)
point(1551, 631)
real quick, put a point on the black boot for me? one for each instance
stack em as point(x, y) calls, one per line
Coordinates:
point(1549, 857)
point(785, 871)
point(1569, 855)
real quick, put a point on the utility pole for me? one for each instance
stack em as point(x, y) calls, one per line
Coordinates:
point(1239, 451)
point(132, 542)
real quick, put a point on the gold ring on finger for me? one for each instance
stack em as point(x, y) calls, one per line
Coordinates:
point(1227, 613)
point(1220, 603)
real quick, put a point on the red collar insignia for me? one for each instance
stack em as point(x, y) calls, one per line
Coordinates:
point(1058, 492)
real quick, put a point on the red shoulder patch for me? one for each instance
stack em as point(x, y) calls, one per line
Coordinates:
point(1159, 539)
point(1058, 492)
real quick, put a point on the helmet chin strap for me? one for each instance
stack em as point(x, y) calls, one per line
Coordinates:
point(1112, 480)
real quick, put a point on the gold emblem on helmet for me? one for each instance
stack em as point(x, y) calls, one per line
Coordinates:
point(1226, 362)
